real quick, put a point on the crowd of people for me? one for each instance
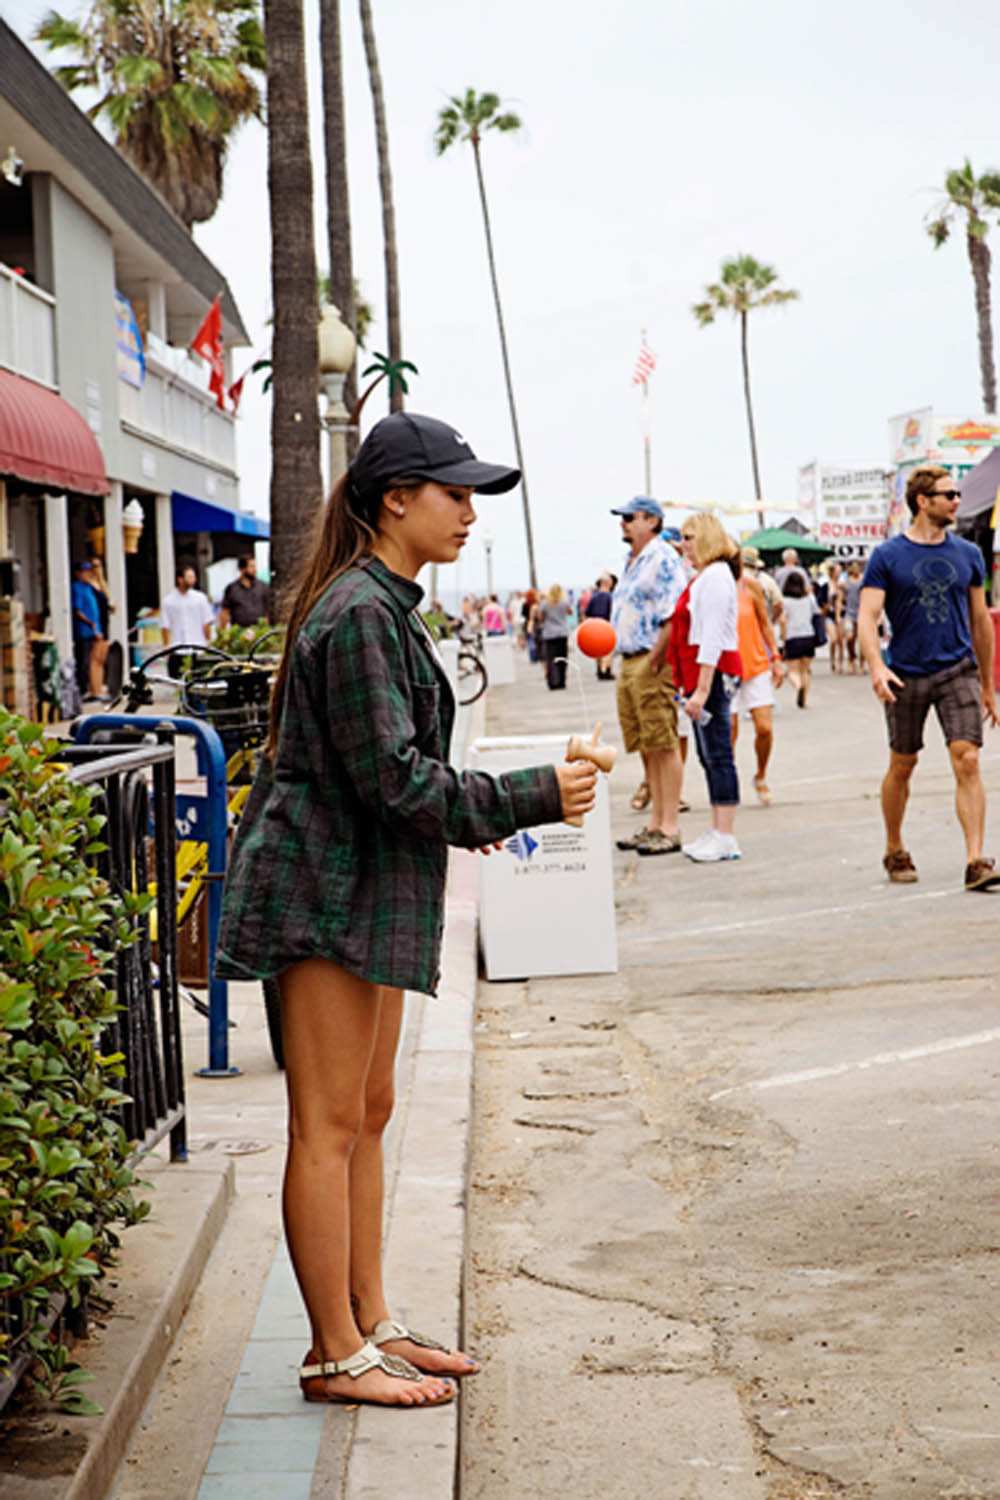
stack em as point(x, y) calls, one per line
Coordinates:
point(707, 635)
point(187, 616)
point(336, 882)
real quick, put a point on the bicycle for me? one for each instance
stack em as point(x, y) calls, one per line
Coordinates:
point(232, 694)
point(472, 679)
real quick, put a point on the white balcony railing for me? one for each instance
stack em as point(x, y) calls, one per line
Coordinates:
point(27, 329)
point(175, 406)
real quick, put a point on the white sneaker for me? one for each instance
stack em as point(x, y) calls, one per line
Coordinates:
point(713, 847)
point(701, 842)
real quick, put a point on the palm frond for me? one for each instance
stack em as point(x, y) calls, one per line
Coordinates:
point(59, 31)
point(76, 76)
point(505, 122)
point(137, 72)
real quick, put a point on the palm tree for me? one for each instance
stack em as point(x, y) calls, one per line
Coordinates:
point(393, 321)
point(974, 198)
point(176, 83)
point(384, 368)
point(744, 284)
point(296, 481)
point(465, 118)
point(341, 287)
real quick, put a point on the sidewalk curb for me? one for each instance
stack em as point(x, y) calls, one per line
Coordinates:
point(426, 1239)
point(162, 1262)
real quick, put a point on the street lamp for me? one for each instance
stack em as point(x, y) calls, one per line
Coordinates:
point(337, 347)
point(488, 540)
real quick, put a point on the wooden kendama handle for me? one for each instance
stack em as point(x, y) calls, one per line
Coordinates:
point(601, 756)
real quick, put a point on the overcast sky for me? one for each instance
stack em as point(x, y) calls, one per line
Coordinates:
point(659, 138)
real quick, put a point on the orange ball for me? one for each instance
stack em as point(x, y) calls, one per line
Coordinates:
point(596, 637)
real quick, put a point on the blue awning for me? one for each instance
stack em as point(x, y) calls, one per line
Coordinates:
point(201, 515)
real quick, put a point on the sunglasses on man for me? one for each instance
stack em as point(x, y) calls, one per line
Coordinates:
point(948, 494)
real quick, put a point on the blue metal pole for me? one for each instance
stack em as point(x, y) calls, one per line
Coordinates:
point(211, 765)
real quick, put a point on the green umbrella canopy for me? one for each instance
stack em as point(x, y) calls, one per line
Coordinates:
point(773, 540)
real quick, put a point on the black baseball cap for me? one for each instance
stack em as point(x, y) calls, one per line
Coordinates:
point(405, 445)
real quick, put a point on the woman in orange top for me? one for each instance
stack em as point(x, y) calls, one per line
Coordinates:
point(762, 673)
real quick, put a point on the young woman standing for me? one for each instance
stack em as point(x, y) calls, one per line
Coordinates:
point(337, 878)
point(704, 654)
point(554, 614)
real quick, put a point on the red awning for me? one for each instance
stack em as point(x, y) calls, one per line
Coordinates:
point(46, 441)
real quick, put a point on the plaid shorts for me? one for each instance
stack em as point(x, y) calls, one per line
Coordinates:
point(956, 697)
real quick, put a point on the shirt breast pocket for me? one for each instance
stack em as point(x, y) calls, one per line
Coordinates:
point(427, 717)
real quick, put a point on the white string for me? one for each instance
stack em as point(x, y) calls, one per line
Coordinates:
point(583, 696)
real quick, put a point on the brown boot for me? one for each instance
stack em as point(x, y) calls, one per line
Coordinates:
point(899, 867)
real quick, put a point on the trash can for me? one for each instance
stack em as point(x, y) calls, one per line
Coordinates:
point(546, 900)
point(498, 653)
point(448, 652)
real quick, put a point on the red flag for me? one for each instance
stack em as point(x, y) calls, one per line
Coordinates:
point(207, 343)
point(236, 391)
point(644, 365)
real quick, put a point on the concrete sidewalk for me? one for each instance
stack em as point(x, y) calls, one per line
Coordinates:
point(732, 1219)
point(197, 1365)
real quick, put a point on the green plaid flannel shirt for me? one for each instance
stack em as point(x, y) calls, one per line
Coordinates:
point(342, 849)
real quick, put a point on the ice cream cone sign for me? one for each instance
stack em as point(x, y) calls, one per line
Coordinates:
point(601, 756)
point(133, 521)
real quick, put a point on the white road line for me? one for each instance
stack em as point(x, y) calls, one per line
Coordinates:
point(880, 1060)
point(939, 770)
point(784, 918)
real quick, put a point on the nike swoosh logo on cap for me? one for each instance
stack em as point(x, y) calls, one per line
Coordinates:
point(460, 439)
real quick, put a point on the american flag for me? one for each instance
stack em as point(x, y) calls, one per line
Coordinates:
point(644, 365)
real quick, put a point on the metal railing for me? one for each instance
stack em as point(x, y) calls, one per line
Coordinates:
point(27, 328)
point(148, 1029)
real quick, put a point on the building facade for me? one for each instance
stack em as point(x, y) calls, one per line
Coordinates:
point(102, 410)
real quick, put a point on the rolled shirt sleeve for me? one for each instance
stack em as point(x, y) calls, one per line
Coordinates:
point(376, 719)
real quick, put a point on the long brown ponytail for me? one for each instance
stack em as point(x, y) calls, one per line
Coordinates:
point(342, 537)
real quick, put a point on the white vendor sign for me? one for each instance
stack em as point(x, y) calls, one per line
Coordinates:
point(546, 900)
point(851, 506)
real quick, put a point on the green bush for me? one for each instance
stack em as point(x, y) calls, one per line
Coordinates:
point(239, 640)
point(64, 1179)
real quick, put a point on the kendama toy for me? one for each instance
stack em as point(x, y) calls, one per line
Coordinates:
point(601, 756)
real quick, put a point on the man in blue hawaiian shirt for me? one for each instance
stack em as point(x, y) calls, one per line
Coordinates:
point(643, 605)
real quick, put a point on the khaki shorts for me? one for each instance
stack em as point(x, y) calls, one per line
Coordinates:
point(647, 711)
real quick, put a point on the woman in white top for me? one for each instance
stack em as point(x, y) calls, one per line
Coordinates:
point(704, 651)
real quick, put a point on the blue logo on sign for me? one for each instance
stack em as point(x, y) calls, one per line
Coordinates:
point(521, 845)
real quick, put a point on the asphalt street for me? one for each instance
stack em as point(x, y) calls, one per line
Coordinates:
point(733, 1213)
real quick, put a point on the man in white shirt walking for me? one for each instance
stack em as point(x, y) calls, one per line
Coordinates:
point(186, 613)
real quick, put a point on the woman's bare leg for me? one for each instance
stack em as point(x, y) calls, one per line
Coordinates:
point(330, 1025)
point(368, 1298)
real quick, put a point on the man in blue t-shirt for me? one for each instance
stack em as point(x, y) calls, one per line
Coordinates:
point(86, 623)
point(930, 585)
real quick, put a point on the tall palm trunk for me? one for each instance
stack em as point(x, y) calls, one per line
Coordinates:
point(296, 481)
point(745, 351)
point(979, 259)
point(338, 200)
point(395, 329)
point(529, 538)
